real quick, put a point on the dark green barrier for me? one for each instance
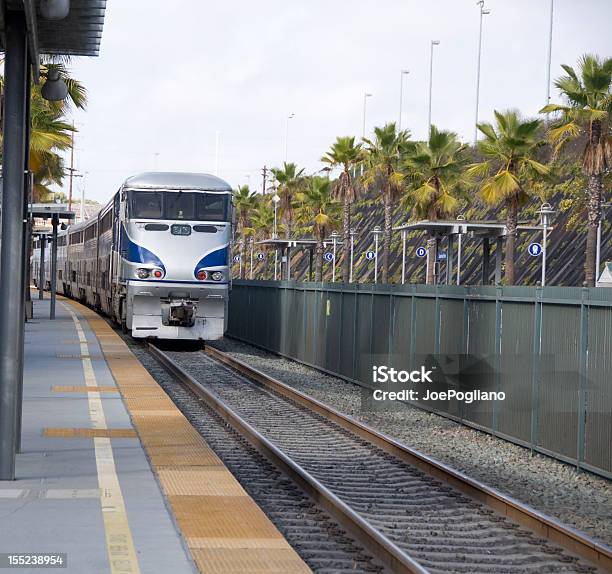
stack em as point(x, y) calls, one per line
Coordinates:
point(549, 349)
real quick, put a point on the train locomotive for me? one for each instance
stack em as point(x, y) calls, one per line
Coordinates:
point(156, 257)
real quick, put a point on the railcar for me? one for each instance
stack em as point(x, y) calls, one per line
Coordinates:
point(156, 257)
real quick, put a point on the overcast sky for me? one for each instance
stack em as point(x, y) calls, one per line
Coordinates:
point(172, 74)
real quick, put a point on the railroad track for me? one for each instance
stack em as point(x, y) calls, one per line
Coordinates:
point(413, 513)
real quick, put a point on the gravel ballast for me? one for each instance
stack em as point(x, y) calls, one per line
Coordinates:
point(578, 499)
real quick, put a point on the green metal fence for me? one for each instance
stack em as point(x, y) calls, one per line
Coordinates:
point(550, 349)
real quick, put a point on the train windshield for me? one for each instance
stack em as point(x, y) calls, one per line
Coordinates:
point(174, 205)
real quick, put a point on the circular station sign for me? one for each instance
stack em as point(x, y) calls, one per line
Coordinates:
point(370, 255)
point(421, 251)
point(236, 258)
point(261, 256)
point(534, 249)
point(329, 256)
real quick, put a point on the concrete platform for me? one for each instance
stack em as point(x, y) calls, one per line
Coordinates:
point(95, 499)
point(112, 474)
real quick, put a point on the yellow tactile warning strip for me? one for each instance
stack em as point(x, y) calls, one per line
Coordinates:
point(77, 389)
point(225, 530)
point(120, 548)
point(89, 433)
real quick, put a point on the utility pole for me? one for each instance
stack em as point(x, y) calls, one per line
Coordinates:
point(71, 168)
point(264, 172)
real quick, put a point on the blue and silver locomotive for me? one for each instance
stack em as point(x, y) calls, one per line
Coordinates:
point(156, 258)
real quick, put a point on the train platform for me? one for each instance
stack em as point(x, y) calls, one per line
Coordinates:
point(111, 476)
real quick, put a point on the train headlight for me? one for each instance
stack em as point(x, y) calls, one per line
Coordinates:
point(202, 275)
point(217, 276)
point(143, 273)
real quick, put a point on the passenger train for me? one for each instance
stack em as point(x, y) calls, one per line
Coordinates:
point(156, 257)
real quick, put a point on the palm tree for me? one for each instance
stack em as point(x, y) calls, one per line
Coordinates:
point(435, 171)
point(587, 113)
point(289, 180)
point(262, 221)
point(318, 205)
point(509, 149)
point(245, 201)
point(346, 154)
point(382, 162)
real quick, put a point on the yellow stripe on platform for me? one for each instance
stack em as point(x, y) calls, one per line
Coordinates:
point(119, 541)
point(225, 530)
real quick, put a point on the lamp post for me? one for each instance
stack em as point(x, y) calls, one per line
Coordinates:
point(459, 238)
point(290, 116)
point(403, 256)
point(275, 200)
point(251, 242)
point(376, 231)
point(546, 212)
point(483, 12)
point(402, 74)
point(353, 232)
point(550, 39)
point(334, 237)
point(604, 207)
point(433, 43)
point(240, 245)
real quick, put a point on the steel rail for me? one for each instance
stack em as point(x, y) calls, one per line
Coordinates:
point(545, 526)
point(382, 548)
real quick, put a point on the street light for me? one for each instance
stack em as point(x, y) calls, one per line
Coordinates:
point(402, 74)
point(604, 207)
point(550, 39)
point(353, 232)
point(459, 238)
point(290, 116)
point(251, 242)
point(546, 212)
point(275, 200)
point(483, 12)
point(334, 237)
point(376, 231)
point(366, 95)
point(433, 43)
point(403, 256)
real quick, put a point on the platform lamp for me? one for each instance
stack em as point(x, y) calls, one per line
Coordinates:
point(54, 89)
point(546, 212)
point(459, 246)
point(376, 231)
point(353, 233)
point(334, 237)
point(54, 9)
point(275, 200)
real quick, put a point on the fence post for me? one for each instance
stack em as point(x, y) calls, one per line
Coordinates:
point(582, 375)
point(535, 375)
point(497, 356)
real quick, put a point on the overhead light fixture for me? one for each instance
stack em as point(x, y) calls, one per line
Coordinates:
point(55, 89)
point(54, 9)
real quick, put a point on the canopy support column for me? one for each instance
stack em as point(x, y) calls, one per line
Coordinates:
point(55, 221)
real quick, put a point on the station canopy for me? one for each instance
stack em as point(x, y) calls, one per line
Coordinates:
point(78, 34)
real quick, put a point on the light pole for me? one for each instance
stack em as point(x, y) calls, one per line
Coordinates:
point(290, 116)
point(459, 238)
point(366, 95)
point(334, 237)
point(275, 200)
point(402, 74)
point(240, 245)
point(251, 241)
point(483, 12)
point(403, 256)
point(550, 39)
point(602, 217)
point(433, 43)
point(546, 212)
point(376, 231)
point(353, 232)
